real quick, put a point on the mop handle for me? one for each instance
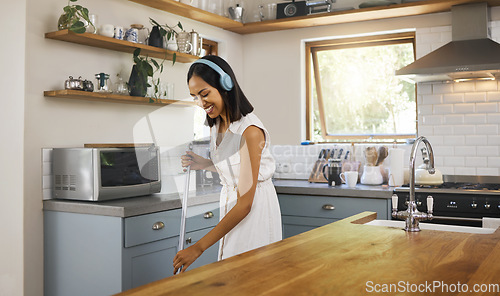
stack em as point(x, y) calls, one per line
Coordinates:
point(184, 211)
point(182, 232)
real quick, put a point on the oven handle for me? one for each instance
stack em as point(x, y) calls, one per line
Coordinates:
point(457, 218)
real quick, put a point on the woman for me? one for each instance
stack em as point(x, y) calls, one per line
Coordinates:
point(239, 152)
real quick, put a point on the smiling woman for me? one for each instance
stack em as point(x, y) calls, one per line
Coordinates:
point(239, 152)
point(353, 93)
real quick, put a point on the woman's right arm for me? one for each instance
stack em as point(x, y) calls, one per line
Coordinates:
point(197, 162)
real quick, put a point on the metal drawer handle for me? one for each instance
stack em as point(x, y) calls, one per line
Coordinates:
point(208, 215)
point(188, 241)
point(158, 225)
point(328, 207)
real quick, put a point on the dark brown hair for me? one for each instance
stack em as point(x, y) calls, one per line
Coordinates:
point(235, 101)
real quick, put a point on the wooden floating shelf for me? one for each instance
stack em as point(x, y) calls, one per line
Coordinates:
point(321, 19)
point(356, 15)
point(191, 12)
point(99, 41)
point(112, 98)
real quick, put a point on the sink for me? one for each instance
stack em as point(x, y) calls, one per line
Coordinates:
point(429, 226)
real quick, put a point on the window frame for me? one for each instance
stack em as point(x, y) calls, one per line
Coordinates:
point(311, 49)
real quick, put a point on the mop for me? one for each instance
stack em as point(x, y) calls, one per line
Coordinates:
point(182, 231)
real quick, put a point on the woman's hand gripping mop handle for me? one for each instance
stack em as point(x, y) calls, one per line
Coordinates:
point(182, 232)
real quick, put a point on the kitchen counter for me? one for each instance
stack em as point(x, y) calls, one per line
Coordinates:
point(347, 258)
point(133, 206)
point(303, 187)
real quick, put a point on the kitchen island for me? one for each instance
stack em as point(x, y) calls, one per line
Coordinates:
point(349, 258)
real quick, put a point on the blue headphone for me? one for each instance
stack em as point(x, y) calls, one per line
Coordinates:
point(225, 80)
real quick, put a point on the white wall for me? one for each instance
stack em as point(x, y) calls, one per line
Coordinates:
point(55, 122)
point(11, 157)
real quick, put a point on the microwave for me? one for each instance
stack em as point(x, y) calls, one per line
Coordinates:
point(98, 174)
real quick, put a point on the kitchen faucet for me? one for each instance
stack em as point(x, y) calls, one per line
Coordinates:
point(412, 216)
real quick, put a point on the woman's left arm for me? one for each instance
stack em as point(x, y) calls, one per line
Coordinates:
point(250, 153)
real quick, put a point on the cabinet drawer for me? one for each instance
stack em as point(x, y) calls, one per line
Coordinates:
point(202, 216)
point(151, 227)
point(330, 207)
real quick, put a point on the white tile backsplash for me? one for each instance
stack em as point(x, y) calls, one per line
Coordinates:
point(443, 109)
point(487, 85)
point(452, 119)
point(493, 96)
point(487, 151)
point(464, 129)
point(475, 118)
point(487, 107)
point(464, 124)
point(450, 98)
point(475, 97)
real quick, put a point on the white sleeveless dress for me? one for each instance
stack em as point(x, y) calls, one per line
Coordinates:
point(262, 225)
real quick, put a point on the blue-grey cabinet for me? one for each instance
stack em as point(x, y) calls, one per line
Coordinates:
point(101, 255)
point(301, 213)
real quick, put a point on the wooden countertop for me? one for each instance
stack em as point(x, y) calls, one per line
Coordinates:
point(347, 258)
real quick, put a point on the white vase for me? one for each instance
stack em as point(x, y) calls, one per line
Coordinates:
point(371, 175)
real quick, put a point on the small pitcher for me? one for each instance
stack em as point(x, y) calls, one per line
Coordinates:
point(196, 42)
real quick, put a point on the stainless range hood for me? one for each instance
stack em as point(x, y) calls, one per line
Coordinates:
point(471, 55)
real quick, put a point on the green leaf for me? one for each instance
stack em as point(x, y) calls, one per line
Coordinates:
point(163, 32)
point(154, 22)
point(169, 35)
point(78, 27)
point(78, 7)
point(180, 25)
point(79, 30)
point(137, 52)
point(149, 70)
point(155, 63)
point(151, 100)
point(174, 58)
point(73, 0)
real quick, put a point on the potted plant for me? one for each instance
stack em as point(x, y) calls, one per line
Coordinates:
point(143, 70)
point(162, 33)
point(72, 18)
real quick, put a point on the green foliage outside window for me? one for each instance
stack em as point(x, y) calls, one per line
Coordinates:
point(362, 95)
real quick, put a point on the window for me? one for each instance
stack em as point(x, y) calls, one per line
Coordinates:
point(352, 92)
point(210, 47)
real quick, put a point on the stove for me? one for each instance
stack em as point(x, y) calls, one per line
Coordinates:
point(460, 200)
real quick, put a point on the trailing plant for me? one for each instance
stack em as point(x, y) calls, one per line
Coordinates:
point(167, 32)
point(72, 18)
point(146, 68)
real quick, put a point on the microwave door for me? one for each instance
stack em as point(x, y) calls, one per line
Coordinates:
point(128, 172)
